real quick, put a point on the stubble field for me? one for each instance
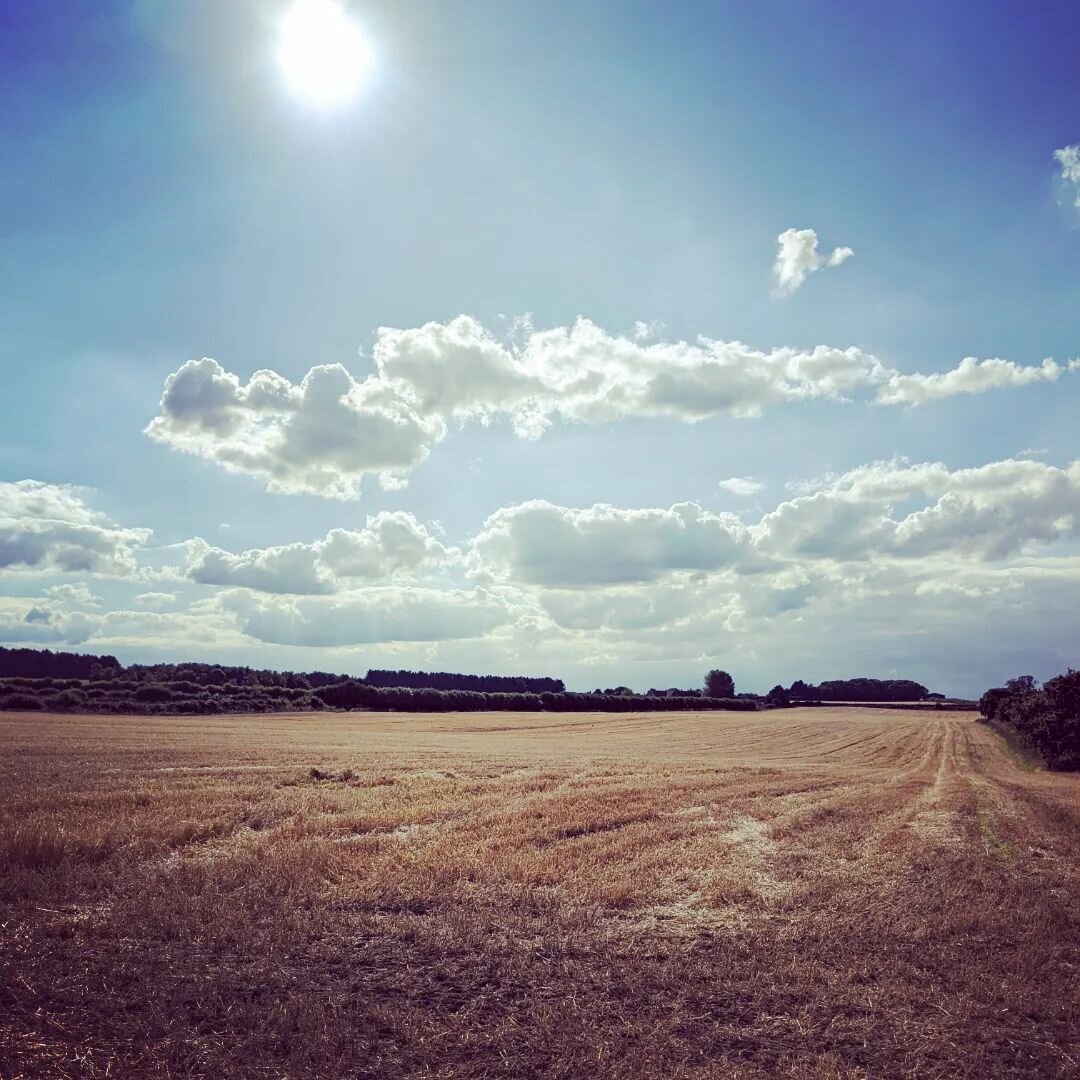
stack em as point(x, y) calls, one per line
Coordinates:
point(814, 893)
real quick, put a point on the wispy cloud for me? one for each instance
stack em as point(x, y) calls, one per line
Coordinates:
point(1068, 158)
point(741, 485)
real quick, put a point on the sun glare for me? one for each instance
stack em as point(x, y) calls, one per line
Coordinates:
point(323, 53)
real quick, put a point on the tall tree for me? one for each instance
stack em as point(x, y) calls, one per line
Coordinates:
point(719, 684)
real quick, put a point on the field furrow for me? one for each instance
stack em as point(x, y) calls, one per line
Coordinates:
point(837, 893)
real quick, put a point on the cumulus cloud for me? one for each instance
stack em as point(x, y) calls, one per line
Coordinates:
point(970, 376)
point(621, 608)
point(624, 569)
point(290, 568)
point(392, 544)
point(743, 486)
point(891, 560)
point(538, 543)
point(50, 527)
point(894, 561)
point(325, 435)
point(46, 624)
point(321, 437)
point(366, 616)
point(582, 373)
point(156, 600)
point(76, 595)
point(986, 513)
point(1068, 159)
point(798, 257)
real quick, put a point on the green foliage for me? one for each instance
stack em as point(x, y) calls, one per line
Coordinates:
point(1047, 720)
point(445, 680)
point(859, 689)
point(358, 695)
point(44, 663)
point(719, 684)
point(992, 700)
point(21, 702)
point(778, 698)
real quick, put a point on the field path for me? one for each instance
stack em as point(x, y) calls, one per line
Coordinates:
point(840, 894)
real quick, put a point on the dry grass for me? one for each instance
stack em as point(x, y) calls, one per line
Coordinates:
point(828, 893)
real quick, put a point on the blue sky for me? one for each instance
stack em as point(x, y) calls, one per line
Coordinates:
point(167, 198)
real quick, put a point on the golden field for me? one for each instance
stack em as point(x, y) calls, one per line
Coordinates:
point(831, 893)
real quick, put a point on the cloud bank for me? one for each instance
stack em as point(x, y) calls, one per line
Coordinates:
point(325, 435)
point(895, 562)
point(50, 527)
point(392, 544)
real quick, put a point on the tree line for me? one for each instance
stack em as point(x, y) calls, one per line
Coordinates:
point(859, 689)
point(1043, 721)
point(60, 681)
point(44, 663)
point(125, 696)
point(43, 680)
point(357, 694)
point(447, 680)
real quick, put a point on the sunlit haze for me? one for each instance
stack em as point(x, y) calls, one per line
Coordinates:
point(323, 53)
point(610, 342)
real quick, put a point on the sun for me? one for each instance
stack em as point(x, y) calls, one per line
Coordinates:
point(324, 55)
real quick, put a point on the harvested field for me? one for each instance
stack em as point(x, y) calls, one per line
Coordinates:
point(831, 893)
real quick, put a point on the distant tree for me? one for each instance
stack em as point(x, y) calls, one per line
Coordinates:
point(778, 698)
point(448, 680)
point(1022, 684)
point(719, 684)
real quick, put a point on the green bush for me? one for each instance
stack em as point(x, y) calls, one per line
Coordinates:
point(1046, 721)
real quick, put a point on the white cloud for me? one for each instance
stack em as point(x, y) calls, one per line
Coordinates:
point(290, 568)
point(987, 513)
point(365, 616)
point(50, 527)
point(682, 577)
point(648, 330)
point(1068, 158)
point(326, 434)
point(537, 543)
point(798, 257)
point(970, 376)
point(392, 544)
point(156, 600)
point(743, 486)
point(203, 630)
point(77, 595)
point(943, 574)
point(622, 608)
point(582, 373)
point(321, 437)
point(44, 623)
